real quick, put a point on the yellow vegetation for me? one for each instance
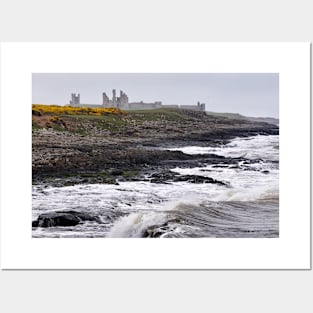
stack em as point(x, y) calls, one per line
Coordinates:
point(57, 109)
point(54, 118)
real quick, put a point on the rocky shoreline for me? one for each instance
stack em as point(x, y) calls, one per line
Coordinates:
point(133, 147)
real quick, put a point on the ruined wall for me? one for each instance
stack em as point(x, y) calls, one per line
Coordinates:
point(190, 107)
point(171, 106)
point(122, 102)
point(144, 106)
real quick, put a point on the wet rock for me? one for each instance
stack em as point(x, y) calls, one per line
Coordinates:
point(156, 231)
point(166, 177)
point(152, 233)
point(116, 172)
point(63, 218)
point(56, 219)
point(162, 177)
point(199, 180)
point(83, 216)
point(35, 223)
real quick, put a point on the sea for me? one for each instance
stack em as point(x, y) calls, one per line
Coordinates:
point(247, 206)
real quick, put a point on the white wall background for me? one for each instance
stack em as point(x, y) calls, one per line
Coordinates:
point(157, 291)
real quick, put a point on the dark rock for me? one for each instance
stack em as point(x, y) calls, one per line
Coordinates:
point(35, 223)
point(63, 218)
point(156, 231)
point(165, 177)
point(117, 172)
point(84, 148)
point(57, 219)
point(83, 215)
point(36, 113)
point(152, 233)
point(199, 180)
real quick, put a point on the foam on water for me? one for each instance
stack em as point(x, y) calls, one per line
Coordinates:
point(179, 209)
point(263, 147)
point(135, 224)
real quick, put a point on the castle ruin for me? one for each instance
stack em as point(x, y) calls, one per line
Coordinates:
point(75, 99)
point(122, 102)
point(116, 102)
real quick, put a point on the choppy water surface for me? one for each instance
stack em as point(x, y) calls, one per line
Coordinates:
point(247, 207)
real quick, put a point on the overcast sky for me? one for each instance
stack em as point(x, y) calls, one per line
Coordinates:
point(248, 94)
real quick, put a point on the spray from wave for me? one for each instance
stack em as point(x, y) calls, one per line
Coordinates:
point(247, 206)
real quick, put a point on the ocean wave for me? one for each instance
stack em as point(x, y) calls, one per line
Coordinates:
point(252, 194)
point(240, 147)
point(209, 219)
point(135, 224)
point(247, 207)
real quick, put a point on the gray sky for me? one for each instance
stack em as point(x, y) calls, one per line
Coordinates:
point(255, 94)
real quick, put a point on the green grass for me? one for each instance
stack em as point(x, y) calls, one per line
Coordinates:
point(138, 115)
point(35, 126)
point(156, 115)
point(228, 115)
point(82, 116)
point(58, 128)
point(117, 122)
point(109, 122)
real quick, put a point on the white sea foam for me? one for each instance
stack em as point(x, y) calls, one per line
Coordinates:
point(135, 224)
point(253, 194)
point(257, 147)
point(144, 204)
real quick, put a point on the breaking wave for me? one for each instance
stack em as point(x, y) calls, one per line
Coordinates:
point(247, 206)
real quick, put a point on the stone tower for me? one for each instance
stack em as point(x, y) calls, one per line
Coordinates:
point(105, 100)
point(75, 99)
point(114, 102)
point(122, 100)
point(201, 106)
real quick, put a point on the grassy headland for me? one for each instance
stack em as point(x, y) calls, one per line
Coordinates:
point(105, 144)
